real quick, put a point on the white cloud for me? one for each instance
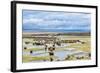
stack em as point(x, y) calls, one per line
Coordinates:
point(56, 20)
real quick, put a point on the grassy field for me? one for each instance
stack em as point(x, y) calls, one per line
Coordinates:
point(86, 47)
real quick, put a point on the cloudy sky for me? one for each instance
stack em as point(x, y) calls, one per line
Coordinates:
point(50, 21)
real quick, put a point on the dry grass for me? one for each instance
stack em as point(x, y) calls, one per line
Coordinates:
point(79, 46)
point(29, 58)
point(86, 47)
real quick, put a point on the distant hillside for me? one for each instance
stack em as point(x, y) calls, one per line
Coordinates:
point(77, 33)
point(55, 34)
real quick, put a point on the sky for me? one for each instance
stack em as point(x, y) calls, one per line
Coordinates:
point(55, 21)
